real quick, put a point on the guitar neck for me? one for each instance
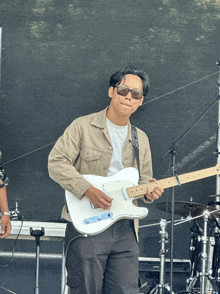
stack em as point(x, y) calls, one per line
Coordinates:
point(139, 191)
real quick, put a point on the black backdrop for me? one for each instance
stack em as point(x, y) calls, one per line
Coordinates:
point(57, 58)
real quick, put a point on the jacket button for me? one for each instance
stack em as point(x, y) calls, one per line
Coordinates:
point(110, 148)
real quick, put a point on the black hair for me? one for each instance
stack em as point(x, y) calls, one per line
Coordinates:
point(117, 77)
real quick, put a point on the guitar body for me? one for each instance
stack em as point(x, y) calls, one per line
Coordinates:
point(91, 220)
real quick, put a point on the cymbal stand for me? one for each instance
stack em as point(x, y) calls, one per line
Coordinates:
point(204, 274)
point(163, 241)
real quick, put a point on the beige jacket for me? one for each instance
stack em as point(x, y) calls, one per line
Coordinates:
point(85, 148)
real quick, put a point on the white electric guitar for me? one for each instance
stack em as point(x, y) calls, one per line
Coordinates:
point(123, 188)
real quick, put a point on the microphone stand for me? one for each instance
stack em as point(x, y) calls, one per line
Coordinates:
point(218, 143)
point(172, 151)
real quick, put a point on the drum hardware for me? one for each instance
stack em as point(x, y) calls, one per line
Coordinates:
point(192, 211)
point(216, 257)
point(207, 282)
point(196, 232)
point(215, 195)
point(163, 251)
point(188, 208)
point(211, 203)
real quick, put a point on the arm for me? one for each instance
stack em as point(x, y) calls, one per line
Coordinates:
point(64, 167)
point(5, 219)
point(147, 171)
point(62, 161)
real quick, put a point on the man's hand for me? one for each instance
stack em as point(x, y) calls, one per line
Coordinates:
point(98, 198)
point(155, 194)
point(5, 226)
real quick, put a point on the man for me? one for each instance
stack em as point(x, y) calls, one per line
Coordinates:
point(101, 144)
point(5, 219)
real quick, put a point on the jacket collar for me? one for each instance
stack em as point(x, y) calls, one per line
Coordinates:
point(99, 120)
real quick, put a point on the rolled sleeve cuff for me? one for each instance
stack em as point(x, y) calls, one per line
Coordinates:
point(146, 200)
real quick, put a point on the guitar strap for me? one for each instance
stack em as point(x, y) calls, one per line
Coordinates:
point(135, 145)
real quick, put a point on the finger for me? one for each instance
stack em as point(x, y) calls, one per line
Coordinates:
point(159, 191)
point(107, 198)
point(7, 231)
point(104, 203)
point(3, 235)
point(3, 227)
point(156, 195)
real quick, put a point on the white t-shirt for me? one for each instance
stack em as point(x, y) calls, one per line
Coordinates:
point(118, 135)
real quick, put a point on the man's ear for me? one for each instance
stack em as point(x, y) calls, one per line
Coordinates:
point(110, 92)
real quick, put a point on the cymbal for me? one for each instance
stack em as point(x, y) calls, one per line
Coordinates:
point(184, 208)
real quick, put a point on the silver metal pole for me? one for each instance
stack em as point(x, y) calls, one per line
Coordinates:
point(203, 274)
point(164, 237)
point(31, 255)
point(37, 268)
point(0, 54)
point(218, 144)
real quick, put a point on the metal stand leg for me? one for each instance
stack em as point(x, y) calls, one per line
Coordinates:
point(37, 233)
point(205, 276)
point(163, 240)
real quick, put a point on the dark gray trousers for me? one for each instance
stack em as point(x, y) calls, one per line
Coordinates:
point(106, 263)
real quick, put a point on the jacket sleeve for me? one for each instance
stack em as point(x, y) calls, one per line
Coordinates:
point(61, 162)
point(145, 161)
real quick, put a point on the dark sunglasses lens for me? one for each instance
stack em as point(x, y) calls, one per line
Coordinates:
point(122, 91)
point(136, 94)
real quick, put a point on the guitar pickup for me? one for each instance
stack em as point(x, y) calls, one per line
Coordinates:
point(98, 218)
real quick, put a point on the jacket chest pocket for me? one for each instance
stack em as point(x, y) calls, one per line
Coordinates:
point(90, 161)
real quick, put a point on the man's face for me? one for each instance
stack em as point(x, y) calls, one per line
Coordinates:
point(126, 105)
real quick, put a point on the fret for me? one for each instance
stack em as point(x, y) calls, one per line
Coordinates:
point(138, 191)
point(198, 175)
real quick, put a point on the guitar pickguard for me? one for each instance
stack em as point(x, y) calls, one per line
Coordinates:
point(91, 220)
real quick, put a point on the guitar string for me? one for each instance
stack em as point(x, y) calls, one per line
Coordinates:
point(152, 100)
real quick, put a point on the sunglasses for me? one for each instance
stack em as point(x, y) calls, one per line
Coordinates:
point(123, 91)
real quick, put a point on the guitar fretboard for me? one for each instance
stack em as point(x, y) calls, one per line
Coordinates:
point(138, 191)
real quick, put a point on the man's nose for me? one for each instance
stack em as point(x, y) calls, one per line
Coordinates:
point(128, 96)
